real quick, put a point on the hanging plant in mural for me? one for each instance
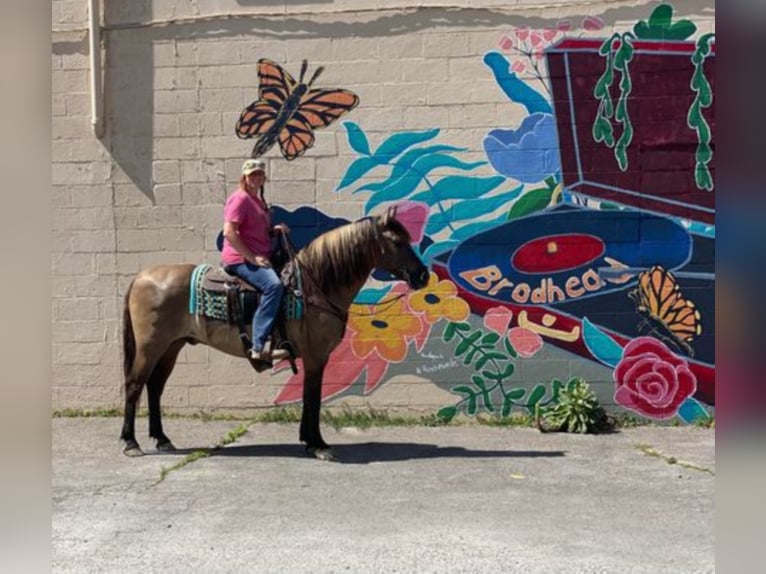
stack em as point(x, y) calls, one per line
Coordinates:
point(617, 51)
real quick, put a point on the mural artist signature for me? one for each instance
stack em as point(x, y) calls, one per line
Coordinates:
point(435, 367)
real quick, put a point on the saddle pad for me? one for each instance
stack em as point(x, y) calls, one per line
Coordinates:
point(204, 302)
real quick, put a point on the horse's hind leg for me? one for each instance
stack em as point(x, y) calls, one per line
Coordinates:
point(139, 374)
point(154, 387)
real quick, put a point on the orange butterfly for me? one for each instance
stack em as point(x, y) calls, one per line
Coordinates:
point(665, 311)
point(288, 111)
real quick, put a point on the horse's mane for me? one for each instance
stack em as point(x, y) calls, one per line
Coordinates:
point(345, 255)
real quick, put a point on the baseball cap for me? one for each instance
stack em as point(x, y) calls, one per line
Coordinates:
point(252, 165)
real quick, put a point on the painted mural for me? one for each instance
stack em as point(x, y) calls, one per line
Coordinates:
point(588, 227)
point(288, 112)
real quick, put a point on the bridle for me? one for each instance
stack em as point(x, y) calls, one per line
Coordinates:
point(317, 298)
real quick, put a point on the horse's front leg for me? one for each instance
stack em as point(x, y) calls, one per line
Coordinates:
point(312, 399)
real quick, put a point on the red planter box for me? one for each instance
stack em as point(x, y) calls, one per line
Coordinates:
point(661, 158)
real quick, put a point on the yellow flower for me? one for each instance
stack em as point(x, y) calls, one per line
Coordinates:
point(439, 300)
point(385, 331)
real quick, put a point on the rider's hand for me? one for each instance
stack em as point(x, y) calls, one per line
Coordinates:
point(261, 261)
point(281, 228)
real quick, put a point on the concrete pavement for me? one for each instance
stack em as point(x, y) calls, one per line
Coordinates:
point(402, 499)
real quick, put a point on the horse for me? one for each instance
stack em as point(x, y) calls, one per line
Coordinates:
point(157, 322)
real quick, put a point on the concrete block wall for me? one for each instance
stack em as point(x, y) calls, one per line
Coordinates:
point(176, 76)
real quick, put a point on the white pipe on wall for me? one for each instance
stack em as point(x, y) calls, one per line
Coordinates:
point(95, 67)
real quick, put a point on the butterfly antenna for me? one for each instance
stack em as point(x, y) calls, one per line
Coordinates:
point(318, 71)
point(304, 67)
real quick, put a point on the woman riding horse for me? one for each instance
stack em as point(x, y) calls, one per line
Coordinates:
point(333, 267)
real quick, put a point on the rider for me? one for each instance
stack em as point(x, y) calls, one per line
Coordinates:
point(247, 248)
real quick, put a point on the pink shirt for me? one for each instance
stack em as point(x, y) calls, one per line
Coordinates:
point(254, 226)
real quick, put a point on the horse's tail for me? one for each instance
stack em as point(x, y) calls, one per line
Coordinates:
point(128, 337)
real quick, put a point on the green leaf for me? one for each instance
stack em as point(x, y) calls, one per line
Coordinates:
point(470, 396)
point(469, 357)
point(535, 396)
point(530, 202)
point(357, 139)
point(509, 348)
point(479, 382)
point(465, 327)
point(642, 30)
point(449, 332)
point(516, 394)
point(661, 16)
point(681, 30)
point(507, 406)
point(447, 413)
point(490, 338)
point(467, 342)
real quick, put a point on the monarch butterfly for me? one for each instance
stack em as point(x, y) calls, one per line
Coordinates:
point(664, 309)
point(288, 111)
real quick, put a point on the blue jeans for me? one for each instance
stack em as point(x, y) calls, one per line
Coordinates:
point(266, 280)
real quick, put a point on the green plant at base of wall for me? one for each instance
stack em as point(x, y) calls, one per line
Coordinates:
point(577, 411)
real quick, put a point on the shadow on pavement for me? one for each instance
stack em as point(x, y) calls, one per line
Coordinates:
point(365, 453)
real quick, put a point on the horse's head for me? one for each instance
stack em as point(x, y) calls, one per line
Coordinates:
point(397, 256)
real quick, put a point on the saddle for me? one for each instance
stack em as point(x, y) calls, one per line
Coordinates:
point(220, 295)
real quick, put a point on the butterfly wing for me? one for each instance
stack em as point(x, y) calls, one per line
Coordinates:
point(320, 108)
point(317, 109)
point(260, 117)
point(683, 320)
point(660, 297)
point(295, 138)
point(276, 84)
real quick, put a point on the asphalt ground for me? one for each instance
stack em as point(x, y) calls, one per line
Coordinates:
point(401, 499)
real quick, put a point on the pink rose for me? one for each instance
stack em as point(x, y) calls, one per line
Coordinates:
point(651, 380)
point(497, 319)
point(525, 341)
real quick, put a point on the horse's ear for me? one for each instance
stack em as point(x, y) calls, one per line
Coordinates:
point(389, 215)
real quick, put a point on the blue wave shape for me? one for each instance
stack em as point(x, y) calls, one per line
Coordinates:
point(516, 89)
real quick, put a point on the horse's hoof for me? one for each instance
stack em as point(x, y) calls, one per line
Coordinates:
point(165, 446)
point(325, 454)
point(132, 450)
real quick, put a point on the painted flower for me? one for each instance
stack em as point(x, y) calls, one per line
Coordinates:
point(592, 23)
point(385, 330)
point(439, 300)
point(651, 380)
point(527, 154)
point(413, 215)
point(343, 369)
point(526, 342)
point(498, 319)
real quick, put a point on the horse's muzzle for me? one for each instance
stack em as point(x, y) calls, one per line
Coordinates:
point(420, 280)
